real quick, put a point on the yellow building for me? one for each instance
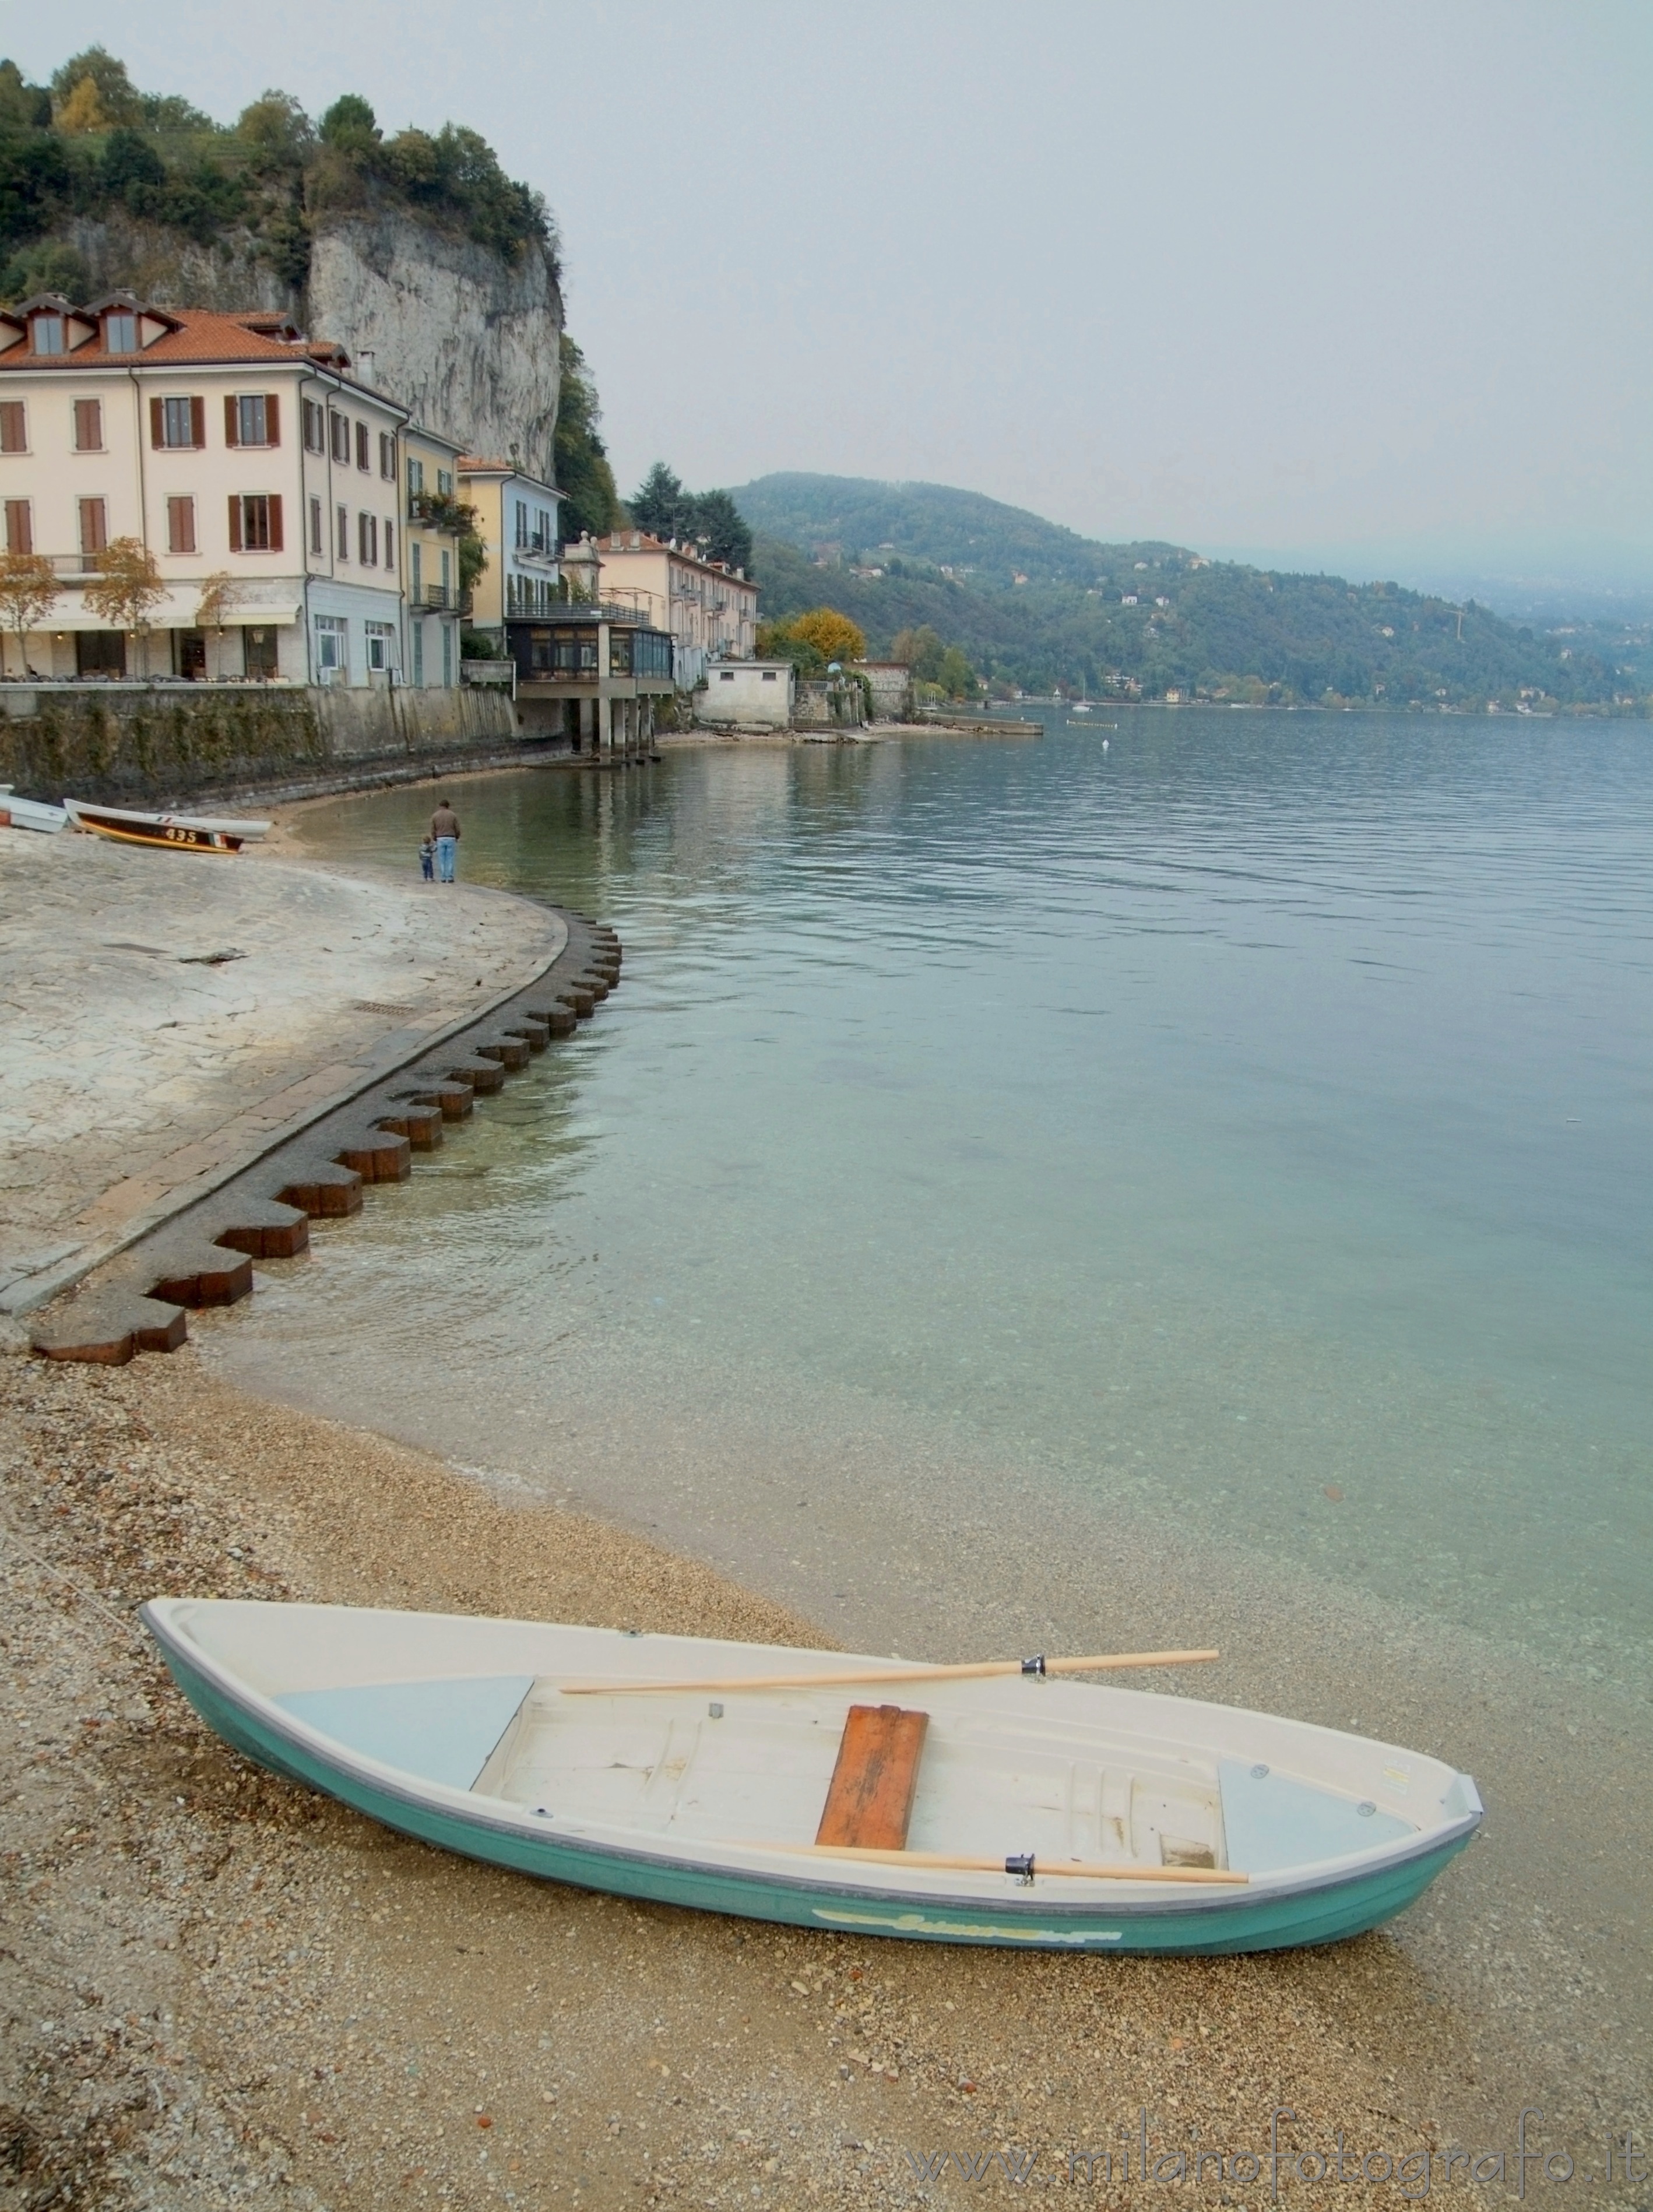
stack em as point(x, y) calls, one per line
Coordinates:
point(516, 520)
point(434, 523)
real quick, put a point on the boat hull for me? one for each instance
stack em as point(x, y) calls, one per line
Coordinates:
point(172, 833)
point(1206, 1923)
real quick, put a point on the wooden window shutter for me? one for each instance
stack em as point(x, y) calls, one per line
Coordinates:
point(198, 422)
point(232, 421)
point(235, 518)
point(157, 424)
point(275, 522)
point(272, 418)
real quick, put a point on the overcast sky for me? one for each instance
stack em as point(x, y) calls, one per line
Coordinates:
point(1313, 279)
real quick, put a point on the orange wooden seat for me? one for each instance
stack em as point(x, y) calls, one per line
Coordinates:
point(870, 1803)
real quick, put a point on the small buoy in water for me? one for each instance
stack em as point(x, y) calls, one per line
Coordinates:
point(1104, 744)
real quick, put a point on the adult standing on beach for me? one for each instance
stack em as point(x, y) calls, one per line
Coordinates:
point(445, 829)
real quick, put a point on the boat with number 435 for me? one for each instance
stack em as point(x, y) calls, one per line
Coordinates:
point(993, 1803)
point(178, 833)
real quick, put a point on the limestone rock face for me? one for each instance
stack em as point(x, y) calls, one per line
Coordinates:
point(466, 340)
point(230, 277)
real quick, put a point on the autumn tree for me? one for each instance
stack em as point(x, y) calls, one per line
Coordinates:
point(834, 636)
point(127, 589)
point(221, 593)
point(28, 591)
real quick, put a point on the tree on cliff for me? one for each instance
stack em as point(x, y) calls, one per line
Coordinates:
point(591, 500)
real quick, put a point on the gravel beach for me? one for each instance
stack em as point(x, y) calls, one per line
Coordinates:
point(216, 1986)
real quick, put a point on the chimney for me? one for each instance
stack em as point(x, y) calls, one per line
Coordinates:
point(366, 364)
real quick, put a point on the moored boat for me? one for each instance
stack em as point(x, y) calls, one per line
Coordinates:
point(186, 833)
point(984, 1807)
point(30, 813)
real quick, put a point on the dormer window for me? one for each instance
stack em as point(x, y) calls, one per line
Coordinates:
point(120, 332)
point(46, 333)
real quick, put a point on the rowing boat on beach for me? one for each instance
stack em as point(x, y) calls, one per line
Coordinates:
point(176, 833)
point(30, 813)
point(971, 1805)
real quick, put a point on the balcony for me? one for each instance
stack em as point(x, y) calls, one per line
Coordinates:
point(433, 599)
point(535, 552)
point(440, 511)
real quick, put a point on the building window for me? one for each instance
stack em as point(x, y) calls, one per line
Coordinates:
point(387, 457)
point(95, 528)
point(260, 657)
point(447, 652)
point(255, 522)
point(314, 427)
point(14, 426)
point(46, 333)
point(419, 654)
point(181, 525)
point(390, 543)
point(251, 418)
point(769, 676)
point(416, 479)
point(120, 332)
point(444, 483)
point(363, 446)
point(416, 558)
point(317, 542)
point(367, 540)
point(20, 526)
point(342, 545)
point(448, 574)
point(340, 439)
point(332, 647)
point(89, 425)
point(522, 521)
point(178, 423)
point(381, 647)
point(725, 676)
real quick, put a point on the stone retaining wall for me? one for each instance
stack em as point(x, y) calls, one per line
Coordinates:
point(163, 745)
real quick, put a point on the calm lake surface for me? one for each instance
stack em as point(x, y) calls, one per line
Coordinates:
point(1031, 1197)
point(1254, 1112)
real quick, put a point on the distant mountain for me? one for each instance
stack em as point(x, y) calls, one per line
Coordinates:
point(863, 522)
point(1035, 606)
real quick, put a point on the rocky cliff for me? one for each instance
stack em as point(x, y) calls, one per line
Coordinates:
point(467, 340)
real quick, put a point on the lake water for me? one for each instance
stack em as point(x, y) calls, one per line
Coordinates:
point(1238, 1138)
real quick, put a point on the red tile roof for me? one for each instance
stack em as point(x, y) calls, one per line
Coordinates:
point(201, 337)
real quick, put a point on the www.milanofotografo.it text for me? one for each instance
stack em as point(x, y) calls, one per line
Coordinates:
point(1132, 2156)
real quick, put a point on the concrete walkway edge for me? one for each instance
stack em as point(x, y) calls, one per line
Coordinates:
point(33, 1290)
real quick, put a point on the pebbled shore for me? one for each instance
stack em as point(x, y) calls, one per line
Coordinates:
point(215, 1986)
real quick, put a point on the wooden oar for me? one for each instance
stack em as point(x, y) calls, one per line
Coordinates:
point(833, 1680)
point(1024, 1867)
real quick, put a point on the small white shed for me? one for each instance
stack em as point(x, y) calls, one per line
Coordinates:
point(754, 694)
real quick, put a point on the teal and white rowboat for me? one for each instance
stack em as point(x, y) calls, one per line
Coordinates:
point(1205, 1829)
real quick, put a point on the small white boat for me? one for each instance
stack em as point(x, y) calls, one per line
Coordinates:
point(30, 813)
point(990, 1806)
point(188, 833)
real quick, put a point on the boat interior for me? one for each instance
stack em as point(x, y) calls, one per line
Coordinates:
point(795, 1767)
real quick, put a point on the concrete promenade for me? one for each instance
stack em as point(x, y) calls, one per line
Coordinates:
point(144, 1063)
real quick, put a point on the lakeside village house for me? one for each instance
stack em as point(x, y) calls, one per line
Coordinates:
point(234, 446)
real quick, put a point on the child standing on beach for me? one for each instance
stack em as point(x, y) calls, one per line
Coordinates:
point(427, 859)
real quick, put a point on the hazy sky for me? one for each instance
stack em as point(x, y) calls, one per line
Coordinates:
point(1366, 282)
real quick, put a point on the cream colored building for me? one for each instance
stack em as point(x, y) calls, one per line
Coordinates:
point(431, 530)
point(229, 445)
point(709, 609)
point(516, 520)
